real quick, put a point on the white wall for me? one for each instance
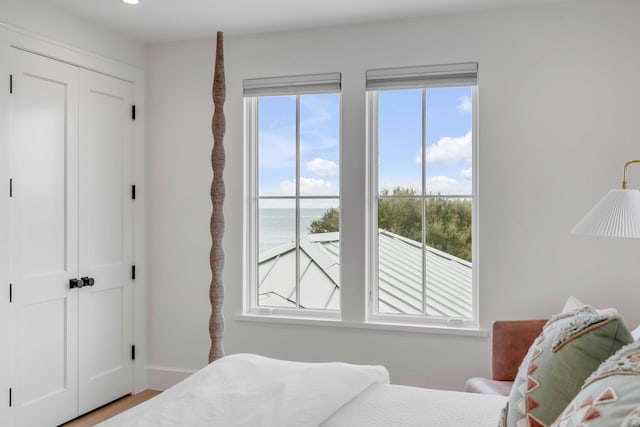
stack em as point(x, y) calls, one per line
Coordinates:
point(558, 118)
point(42, 19)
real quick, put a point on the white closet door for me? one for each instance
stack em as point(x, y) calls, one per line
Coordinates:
point(105, 239)
point(44, 239)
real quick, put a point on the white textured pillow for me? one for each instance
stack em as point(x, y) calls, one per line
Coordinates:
point(636, 333)
point(573, 303)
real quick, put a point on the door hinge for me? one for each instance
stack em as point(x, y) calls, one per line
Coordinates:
point(133, 192)
point(133, 272)
point(10, 400)
point(10, 83)
point(133, 112)
point(10, 292)
point(133, 352)
point(10, 187)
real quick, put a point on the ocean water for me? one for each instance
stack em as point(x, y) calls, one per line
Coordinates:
point(278, 225)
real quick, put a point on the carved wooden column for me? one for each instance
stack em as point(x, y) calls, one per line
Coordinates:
point(216, 256)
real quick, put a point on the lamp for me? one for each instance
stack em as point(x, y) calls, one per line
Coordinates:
point(616, 215)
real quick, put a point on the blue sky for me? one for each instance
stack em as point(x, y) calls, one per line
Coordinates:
point(448, 132)
point(449, 124)
point(319, 145)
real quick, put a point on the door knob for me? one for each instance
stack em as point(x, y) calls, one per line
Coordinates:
point(75, 283)
point(88, 281)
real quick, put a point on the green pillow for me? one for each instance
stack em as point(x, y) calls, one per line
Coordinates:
point(611, 395)
point(570, 347)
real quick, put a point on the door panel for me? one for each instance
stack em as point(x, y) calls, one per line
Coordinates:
point(40, 151)
point(105, 239)
point(102, 169)
point(43, 239)
point(105, 304)
point(46, 378)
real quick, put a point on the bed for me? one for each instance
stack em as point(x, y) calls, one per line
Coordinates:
point(250, 390)
point(583, 366)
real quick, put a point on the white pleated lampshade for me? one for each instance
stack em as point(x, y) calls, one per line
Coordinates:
point(616, 215)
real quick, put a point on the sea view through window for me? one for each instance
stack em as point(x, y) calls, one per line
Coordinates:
point(275, 225)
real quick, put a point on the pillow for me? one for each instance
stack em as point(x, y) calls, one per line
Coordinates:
point(573, 303)
point(569, 348)
point(636, 333)
point(610, 396)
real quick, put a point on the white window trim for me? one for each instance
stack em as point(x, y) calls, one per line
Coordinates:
point(420, 328)
point(373, 316)
point(250, 274)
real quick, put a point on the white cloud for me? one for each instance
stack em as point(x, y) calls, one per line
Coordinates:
point(443, 180)
point(450, 150)
point(466, 173)
point(447, 185)
point(322, 167)
point(464, 104)
point(309, 186)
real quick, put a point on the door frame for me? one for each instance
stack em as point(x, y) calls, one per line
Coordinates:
point(5, 336)
point(10, 38)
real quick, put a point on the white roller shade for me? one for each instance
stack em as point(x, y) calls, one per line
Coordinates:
point(293, 85)
point(465, 74)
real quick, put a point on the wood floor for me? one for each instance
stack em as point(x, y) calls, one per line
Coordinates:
point(111, 410)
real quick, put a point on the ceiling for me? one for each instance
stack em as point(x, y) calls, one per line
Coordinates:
point(154, 21)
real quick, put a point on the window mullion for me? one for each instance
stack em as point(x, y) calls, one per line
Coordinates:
point(253, 126)
point(297, 201)
point(424, 201)
point(373, 208)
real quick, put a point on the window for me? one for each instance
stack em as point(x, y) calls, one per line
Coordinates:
point(419, 200)
point(293, 130)
point(422, 133)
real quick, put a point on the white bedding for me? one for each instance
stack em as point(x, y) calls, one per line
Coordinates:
point(249, 390)
point(254, 391)
point(389, 405)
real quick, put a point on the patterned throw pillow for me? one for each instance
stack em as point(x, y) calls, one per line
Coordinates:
point(610, 396)
point(571, 346)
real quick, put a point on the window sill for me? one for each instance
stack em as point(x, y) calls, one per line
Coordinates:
point(377, 325)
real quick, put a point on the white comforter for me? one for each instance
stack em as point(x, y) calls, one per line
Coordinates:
point(390, 405)
point(249, 390)
point(254, 391)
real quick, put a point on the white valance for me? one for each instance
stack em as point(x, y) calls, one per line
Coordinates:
point(293, 85)
point(465, 74)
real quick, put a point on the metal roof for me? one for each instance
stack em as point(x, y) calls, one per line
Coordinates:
point(448, 278)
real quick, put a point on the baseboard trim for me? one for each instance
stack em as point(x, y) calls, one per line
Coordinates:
point(163, 377)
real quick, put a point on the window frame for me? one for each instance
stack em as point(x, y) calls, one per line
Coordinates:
point(373, 313)
point(251, 259)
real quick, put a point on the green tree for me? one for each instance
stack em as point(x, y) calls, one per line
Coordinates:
point(448, 221)
point(328, 222)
